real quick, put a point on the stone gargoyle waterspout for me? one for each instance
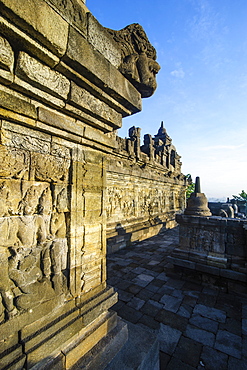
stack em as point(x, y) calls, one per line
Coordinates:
point(139, 64)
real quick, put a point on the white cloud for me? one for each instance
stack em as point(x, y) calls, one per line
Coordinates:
point(178, 73)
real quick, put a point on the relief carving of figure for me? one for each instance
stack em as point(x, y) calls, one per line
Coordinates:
point(8, 237)
point(25, 264)
point(139, 64)
point(59, 247)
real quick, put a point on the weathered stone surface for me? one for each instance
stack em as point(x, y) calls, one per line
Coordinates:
point(100, 71)
point(74, 12)
point(25, 138)
point(229, 343)
point(24, 42)
point(6, 55)
point(138, 58)
point(168, 338)
point(42, 76)
point(210, 312)
point(42, 21)
point(92, 105)
point(103, 42)
point(17, 104)
point(213, 359)
point(204, 323)
point(200, 335)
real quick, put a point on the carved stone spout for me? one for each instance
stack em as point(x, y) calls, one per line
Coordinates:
point(139, 64)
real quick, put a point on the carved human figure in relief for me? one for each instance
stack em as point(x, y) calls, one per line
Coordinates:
point(139, 64)
point(8, 238)
point(59, 247)
point(25, 263)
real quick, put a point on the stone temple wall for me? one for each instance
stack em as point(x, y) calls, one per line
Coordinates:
point(65, 84)
point(145, 188)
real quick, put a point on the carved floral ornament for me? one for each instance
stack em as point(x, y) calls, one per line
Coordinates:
point(139, 64)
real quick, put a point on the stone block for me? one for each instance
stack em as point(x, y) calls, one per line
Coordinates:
point(199, 335)
point(106, 349)
point(6, 55)
point(41, 21)
point(53, 342)
point(208, 269)
point(16, 136)
point(140, 352)
point(54, 362)
point(204, 323)
point(182, 263)
point(188, 351)
point(229, 343)
point(11, 356)
point(16, 103)
point(74, 12)
point(234, 275)
point(97, 136)
point(25, 42)
point(7, 78)
point(103, 42)
point(94, 106)
point(213, 359)
point(88, 338)
point(42, 76)
point(210, 312)
point(39, 94)
point(168, 338)
point(171, 303)
point(9, 342)
point(99, 71)
point(92, 314)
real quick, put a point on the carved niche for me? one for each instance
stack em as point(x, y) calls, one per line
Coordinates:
point(139, 64)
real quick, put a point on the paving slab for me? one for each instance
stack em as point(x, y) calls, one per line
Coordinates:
point(204, 323)
point(235, 364)
point(232, 325)
point(214, 360)
point(129, 314)
point(210, 312)
point(171, 303)
point(176, 364)
point(171, 319)
point(229, 343)
point(200, 335)
point(168, 338)
point(199, 326)
point(136, 303)
point(244, 326)
point(188, 351)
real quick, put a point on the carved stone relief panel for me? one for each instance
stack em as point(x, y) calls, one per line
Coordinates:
point(137, 200)
point(42, 76)
point(14, 162)
point(33, 226)
point(49, 167)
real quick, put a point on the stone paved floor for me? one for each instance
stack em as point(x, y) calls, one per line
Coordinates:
point(198, 327)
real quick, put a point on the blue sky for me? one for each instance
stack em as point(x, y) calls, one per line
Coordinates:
point(202, 85)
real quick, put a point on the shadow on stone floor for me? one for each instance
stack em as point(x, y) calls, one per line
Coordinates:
point(198, 326)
